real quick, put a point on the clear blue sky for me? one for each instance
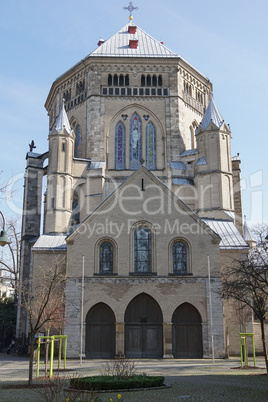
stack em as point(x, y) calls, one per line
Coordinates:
point(226, 41)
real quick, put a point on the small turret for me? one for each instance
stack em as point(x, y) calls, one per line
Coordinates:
point(213, 169)
point(61, 152)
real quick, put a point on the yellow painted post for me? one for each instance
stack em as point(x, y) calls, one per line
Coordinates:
point(51, 356)
point(60, 352)
point(65, 351)
point(38, 357)
point(241, 350)
point(245, 351)
point(253, 347)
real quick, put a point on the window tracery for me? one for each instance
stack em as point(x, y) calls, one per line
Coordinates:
point(106, 258)
point(135, 149)
point(150, 146)
point(179, 258)
point(143, 250)
point(120, 159)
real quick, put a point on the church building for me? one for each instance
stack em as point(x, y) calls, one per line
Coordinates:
point(143, 203)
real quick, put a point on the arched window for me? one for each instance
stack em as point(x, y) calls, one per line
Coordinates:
point(160, 81)
point(143, 250)
point(77, 142)
point(135, 142)
point(75, 210)
point(179, 258)
point(106, 258)
point(148, 80)
point(127, 80)
point(110, 80)
point(120, 146)
point(115, 79)
point(121, 80)
point(154, 81)
point(143, 80)
point(150, 146)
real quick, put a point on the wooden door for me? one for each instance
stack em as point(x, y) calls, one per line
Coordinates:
point(187, 332)
point(143, 328)
point(100, 332)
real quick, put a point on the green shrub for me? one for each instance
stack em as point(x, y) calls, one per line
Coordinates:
point(99, 383)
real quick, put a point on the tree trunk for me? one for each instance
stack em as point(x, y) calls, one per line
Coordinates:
point(31, 358)
point(264, 344)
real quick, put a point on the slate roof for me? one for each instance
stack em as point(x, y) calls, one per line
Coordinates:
point(201, 161)
point(188, 152)
point(212, 114)
point(118, 45)
point(177, 165)
point(182, 181)
point(229, 234)
point(45, 242)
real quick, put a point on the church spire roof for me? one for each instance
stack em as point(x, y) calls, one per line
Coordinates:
point(62, 121)
point(212, 114)
point(119, 45)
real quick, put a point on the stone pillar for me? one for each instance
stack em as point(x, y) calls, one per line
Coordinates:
point(119, 339)
point(167, 341)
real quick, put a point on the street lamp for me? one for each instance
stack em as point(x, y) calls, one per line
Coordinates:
point(4, 239)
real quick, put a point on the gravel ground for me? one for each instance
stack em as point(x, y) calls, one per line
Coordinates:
point(192, 380)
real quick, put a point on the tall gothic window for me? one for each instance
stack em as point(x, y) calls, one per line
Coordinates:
point(135, 142)
point(106, 258)
point(77, 142)
point(115, 79)
point(179, 258)
point(75, 210)
point(120, 160)
point(143, 250)
point(150, 146)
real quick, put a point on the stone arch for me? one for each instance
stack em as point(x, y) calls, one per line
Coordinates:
point(126, 113)
point(97, 254)
point(187, 332)
point(143, 328)
point(100, 332)
point(188, 254)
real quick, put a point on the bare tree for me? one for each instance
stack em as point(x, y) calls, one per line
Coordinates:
point(9, 258)
point(247, 282)
point(38, 305)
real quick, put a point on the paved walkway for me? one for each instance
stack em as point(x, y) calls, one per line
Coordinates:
point(194, 380)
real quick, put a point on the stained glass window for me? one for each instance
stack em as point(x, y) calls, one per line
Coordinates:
point(77, 142)
point(143, 250)
point(135, 142)
point(120, 146)
point(106, 258)
point(179, 258)
point(150, 146)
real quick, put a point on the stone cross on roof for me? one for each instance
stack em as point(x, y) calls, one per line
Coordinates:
point(130, 8)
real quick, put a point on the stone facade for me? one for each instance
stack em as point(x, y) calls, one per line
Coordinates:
point(189, 187)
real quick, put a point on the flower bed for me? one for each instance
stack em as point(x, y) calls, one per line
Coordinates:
point(103, 382)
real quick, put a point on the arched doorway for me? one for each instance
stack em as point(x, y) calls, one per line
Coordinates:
point(100, 332)
point(187, 332)
point(143, 328)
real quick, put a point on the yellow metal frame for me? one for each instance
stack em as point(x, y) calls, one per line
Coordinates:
point(243, 336)
point(51, 339)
